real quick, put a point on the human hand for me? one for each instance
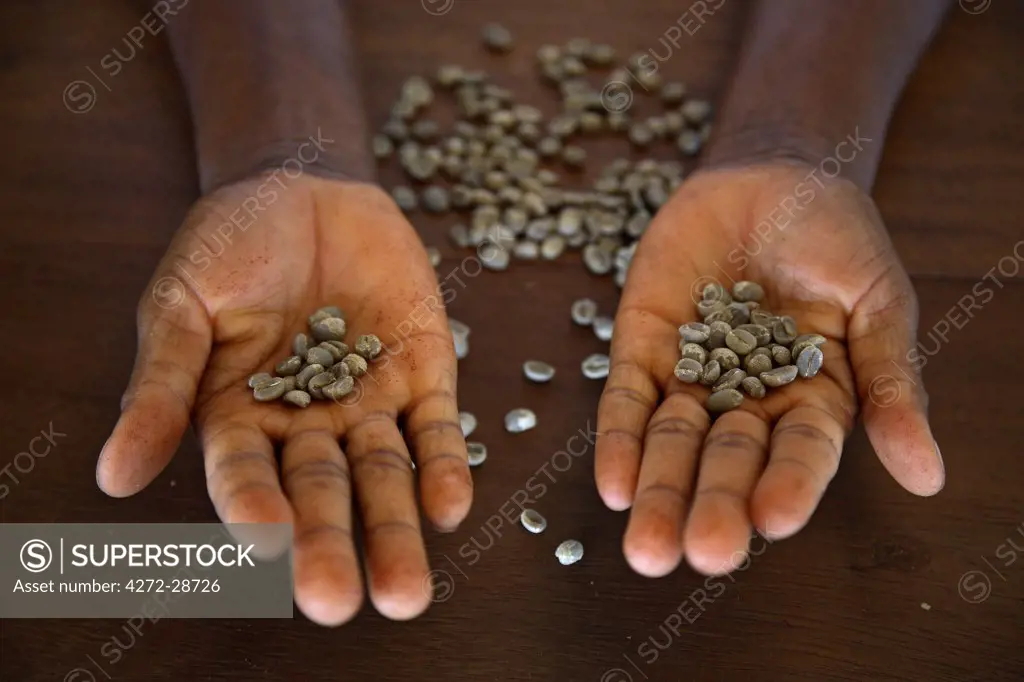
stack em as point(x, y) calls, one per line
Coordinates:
point(225, 306)
point(697, 488)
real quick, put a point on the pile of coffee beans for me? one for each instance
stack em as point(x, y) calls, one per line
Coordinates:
point(491, 164)
point(322, 367)
point(742, 345)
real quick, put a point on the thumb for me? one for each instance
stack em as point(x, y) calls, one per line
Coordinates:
point(883, 335)
point(174, 344)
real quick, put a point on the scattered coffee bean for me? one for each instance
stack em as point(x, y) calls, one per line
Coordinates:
point(468, 423)
point(538, 372)
point(520, 420)
point(596, 366)
point(368, 346)
point(583, 312)
point(533, 521)
point(497, 38)
point(405, 198)
point(604, 327)
point(476, 453)
point(357, 365)
point(569, 552)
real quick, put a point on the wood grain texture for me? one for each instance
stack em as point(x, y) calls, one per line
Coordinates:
point(88, 202)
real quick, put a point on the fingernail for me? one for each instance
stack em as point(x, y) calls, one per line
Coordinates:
point(938, 454)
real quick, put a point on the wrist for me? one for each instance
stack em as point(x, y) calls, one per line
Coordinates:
point(852, 155)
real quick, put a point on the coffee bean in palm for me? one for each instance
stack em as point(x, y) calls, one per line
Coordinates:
point(321, 314)
point(715, 292)
point(707, 306)
point(339, 388)
point(290, 384)
point(289, 366)
point(780, 354)
point(763, 317)
point(339, 370)
point(720, 314)
point(688, 370)
point(307, 373)
point(803, 341)
point(756, 364)
point(808, 363)
point(301, 344)
point(368, 346)
point(740, 314)
point(259, 379)
point(724, 400)
point(761, 333)
point(710, 373)
point(694, 332)
point(740, 341)
point(716, 334)
point(357, 365)
point(784, 330)
point(694, 351)
point(725, 357)
point(753, 387)
point(297, 398)
point(270, 390)
point(319, 356)
point(780, 376)
point(731, 379)
point(315, 385)
point(329, 329)
point(747, 291)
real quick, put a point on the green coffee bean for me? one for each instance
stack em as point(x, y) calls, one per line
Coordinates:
point(259, 379)
point(574, 157)
point(762, 317)
point(710, 373)
point(753, 387)
point(357, 365)
point(604, 326)
point(319, 356)
point(740, 314)
point(533, 521)
point(726, 357)
point(804, 340)
point(596, 366)
point(696, 110)
point(319, 315)
point(468, 423)
point(731, 379)
point(329, 329)
point(289, 367)
point(688, 370)
point(740, 341)
point(689, 142)
point(435, 199)
point(334, 350)
point(315, 385)
point(526, 250)
point(583, 312)
point(747, 291)
point(780, 354)
point(716, 292)
point(297, 398)
point(476, 453)
point(497, 38)
point(520, 420)
point(339, 370)
point(780, 376)
point(761, 333)
point(339, 388)
point(369, 346)
point(538, 372)
point(269, 390)
point(694, 351)
point(596, 260)
point(808, 362)
point(301, 344)
point(307, 373)
point(756, 364)
point(694, 332)
point(640, 135)
point(569, 552)
point(716, 337)
point(724, 400)
point(784, 330)
point(673, 93)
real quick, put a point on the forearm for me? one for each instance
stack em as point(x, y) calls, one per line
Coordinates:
point(263, 77)
point(814, 72)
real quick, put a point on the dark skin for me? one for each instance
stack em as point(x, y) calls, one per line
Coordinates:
point(263, 77)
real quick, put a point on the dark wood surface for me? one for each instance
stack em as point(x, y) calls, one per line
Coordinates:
point(88, 202)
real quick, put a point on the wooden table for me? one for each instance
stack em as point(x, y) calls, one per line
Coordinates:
point(878, 587)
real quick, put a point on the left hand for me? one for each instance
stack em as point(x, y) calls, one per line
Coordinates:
point(698, 488)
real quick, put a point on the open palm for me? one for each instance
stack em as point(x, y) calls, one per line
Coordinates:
point(698, 489)
point(226, 302)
